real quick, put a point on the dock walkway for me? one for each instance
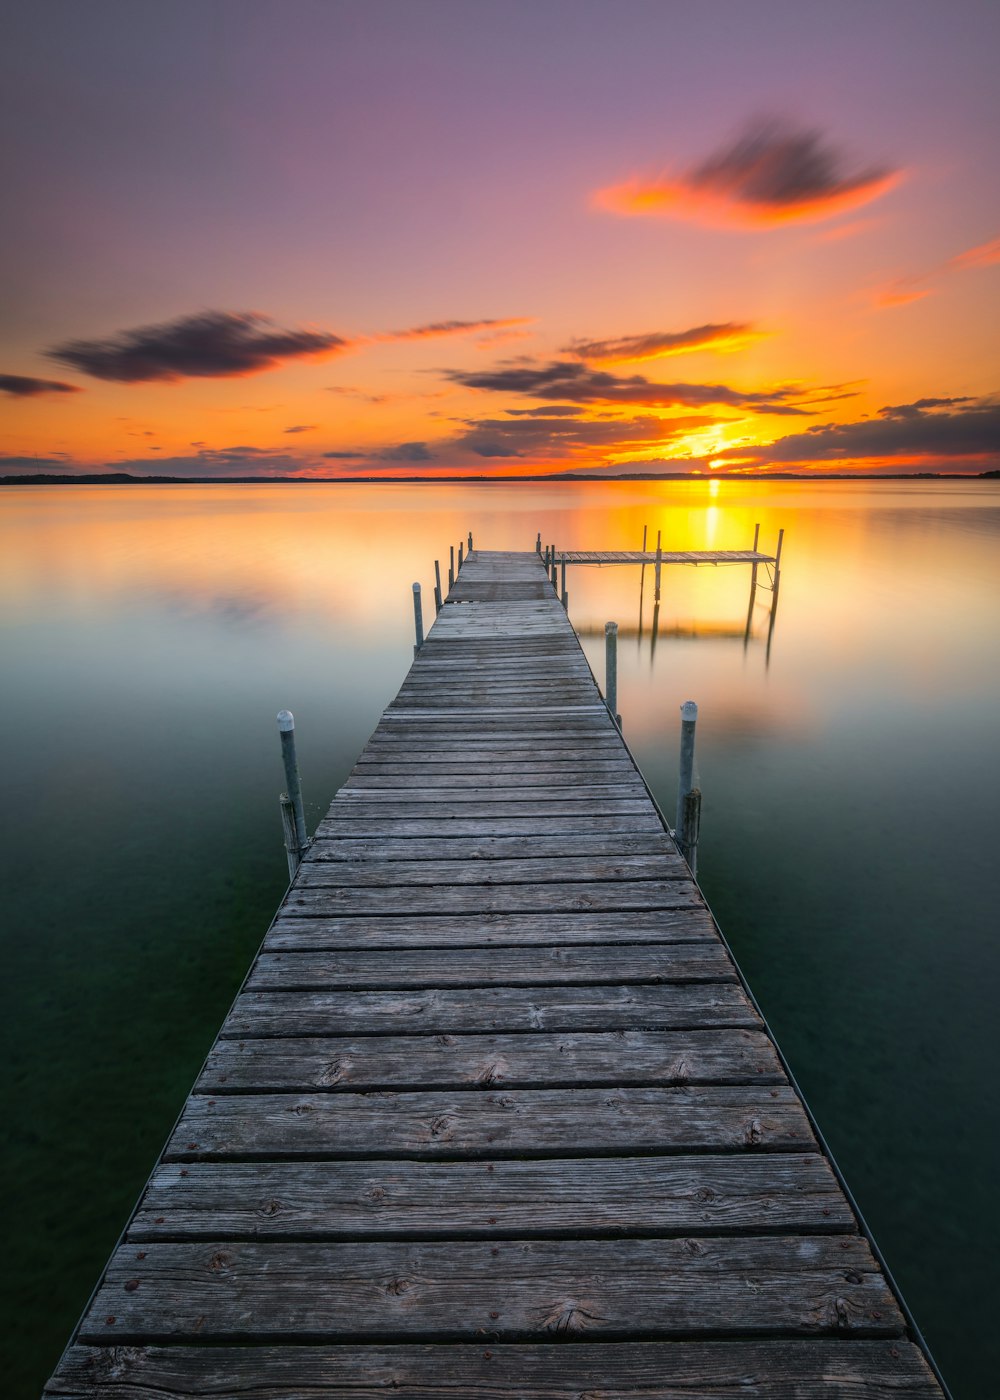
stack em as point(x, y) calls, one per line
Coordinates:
point(493, 1115)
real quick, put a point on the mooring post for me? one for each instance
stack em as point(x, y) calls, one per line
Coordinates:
point(437, 587)
point(451, 569)
point(685, 780)
point(460, 556)
point(286, 728)
point(288, 827)
point(565, 595)
point(555, 572)
point(418, 618)
point(538, 543)
point(692, 826)
point(470, 541)
point(611, 670)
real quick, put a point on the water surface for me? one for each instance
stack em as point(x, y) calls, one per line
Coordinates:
point(849, 763)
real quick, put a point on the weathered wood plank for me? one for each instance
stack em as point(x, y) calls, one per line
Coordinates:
point(438, 1011)
point(487, 848)
point(483, 967)
point(514, 1123)
point(455, 899)
point(686, 920)
point(594, 795)
point(576, 1198)
point(532, 870)
point(551, 775)
point(442, 821)
point(753, 1370)
point(637, 1058)
point(520, 1289)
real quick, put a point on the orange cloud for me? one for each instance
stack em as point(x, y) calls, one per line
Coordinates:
point(731, 335)
point(771, 175)
point(908, 289)
point(985, 255)
point(434, 330)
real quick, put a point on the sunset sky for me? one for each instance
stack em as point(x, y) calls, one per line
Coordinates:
point(396, 237)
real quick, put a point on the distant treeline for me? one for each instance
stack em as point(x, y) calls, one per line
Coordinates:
point(127, 479)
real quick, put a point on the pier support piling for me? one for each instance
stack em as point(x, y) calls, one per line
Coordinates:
point(685, 781)
point(286, 728)
point(437, 586)
point(418, 618)
point(565, 595)
point(611, 670)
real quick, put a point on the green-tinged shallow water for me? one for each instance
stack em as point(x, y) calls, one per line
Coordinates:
point(851, 778)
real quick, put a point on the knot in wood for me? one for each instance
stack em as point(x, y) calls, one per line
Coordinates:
point(219, 1262)
point(396, 1286)
point(270, 1208)
point(753, 1133)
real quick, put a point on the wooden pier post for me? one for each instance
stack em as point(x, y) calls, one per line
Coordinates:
point(460, 556)
point(538, 543)
point(286, 728)
point(451, 569)
point(470, 541)
point(659, 563)
point(565, 595)
point(418, 618)
point(611, 670)
point(555, 572)
point(291, 840)
point(437, 587)
point(692, 827)
point(753, 589)
point(685, 780)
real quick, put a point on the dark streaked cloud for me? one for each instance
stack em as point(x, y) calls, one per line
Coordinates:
point(773, 173)
point(345, 456)
point(301, 428)
point(562, 437)
point(577, 383)
point(407, 452)
point(931, 429)
point(434, 330)
point(656, 344)
point(207, 345)
point(23, 386)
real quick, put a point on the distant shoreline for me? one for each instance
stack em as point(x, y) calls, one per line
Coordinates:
point(127, 479)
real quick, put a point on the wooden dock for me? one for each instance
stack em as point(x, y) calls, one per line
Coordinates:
point(665, 556)
point(493, 1115)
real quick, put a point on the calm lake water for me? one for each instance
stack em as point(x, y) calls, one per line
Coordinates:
point(850, 770)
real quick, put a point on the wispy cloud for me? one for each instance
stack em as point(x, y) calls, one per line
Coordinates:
point(559, 438)
point(436, 330)
point(904, 290)
point(23, 386)
point(576, 383)
point(207, 345)
point(730, 335)
point(774, 173)
point(301, 428)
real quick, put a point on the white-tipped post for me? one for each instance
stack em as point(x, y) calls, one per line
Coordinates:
point(286, 728)
point(611, 670)
point(418, 618)
point(685, 781)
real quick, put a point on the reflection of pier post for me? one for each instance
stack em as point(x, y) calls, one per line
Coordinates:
point(653, 634)
point(642, 582)
point(775, 584)
point(753, 588)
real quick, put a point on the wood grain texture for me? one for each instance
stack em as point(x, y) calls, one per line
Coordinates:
point(581, 1197)
point(437, 1010)
point(521, 1289)
point(788, 1369)
point(540, 1060)
point(518, 1122)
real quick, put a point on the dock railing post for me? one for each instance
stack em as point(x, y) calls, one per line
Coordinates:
point(611, 670)
point(418, 618)
point(470, 541)
point(291, 840)
point(565, 595)
point(437, 587)
point(538, 543)
point(555, 573)
point(286, 728)
point(685, 779)
point(460, 556)
point(692, 826)
point(451, 569)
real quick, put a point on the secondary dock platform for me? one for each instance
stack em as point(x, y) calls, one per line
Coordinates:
point(493, 1115)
